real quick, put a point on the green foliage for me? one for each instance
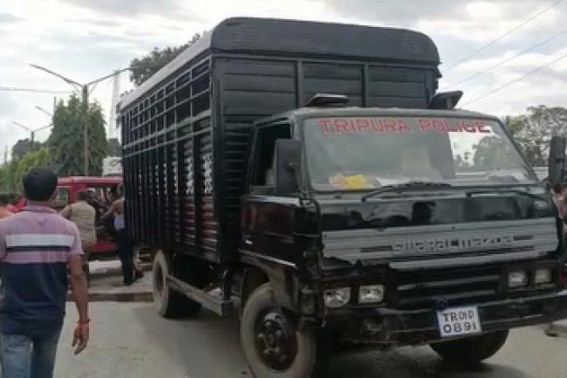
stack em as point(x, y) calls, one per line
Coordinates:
point(492, 152)
point(533, 131)
point(11, 174)
point(149, 64)
point(23, 146)
point(66, 139)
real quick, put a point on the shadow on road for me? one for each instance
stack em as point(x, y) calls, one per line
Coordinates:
point(209, 347)
point(408, 362)
point(206, 345)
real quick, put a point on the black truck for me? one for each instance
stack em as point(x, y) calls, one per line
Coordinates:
point(309, 178)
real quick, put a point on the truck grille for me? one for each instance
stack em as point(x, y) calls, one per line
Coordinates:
point(420, 289)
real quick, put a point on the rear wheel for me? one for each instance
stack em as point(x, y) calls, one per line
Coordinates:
point(168, 302)
point(471, 350)
point(272, 344)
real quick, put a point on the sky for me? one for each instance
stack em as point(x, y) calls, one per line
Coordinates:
point(506, 55)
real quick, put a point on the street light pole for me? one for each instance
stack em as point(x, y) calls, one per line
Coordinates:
point(32, 132)
point(85, 95)
point(44, 111)
point(84, 92)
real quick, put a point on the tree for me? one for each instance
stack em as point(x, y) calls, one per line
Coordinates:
point(66, 139)
point(113, 148)
point(11, 174)
point(534, 130)
point(144, 67)
point(531, 131)
point(493, 153)
point(23, 146)
point(511, 125)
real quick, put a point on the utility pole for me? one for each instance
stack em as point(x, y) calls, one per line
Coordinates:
point(83, 89)
point(5, 154)
point(85, 95)
point(112, 118)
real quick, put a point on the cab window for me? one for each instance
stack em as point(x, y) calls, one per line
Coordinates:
point(264, 173)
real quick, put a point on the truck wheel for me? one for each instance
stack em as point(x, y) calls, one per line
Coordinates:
point(272, 345)
point(169, 303)
point(471, 350)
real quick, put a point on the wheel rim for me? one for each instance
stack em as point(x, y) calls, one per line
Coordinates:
point(275, 340)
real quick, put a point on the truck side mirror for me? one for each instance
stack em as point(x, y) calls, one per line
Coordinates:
point(288, 157)
point(556, 164)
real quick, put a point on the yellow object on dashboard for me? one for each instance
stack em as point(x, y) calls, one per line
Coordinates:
point(357, 182)
point(349, 182)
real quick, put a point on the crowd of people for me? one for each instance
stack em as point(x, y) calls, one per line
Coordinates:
point(89, 212)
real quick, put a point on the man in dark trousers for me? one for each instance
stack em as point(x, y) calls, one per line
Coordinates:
point(37, 247)
point(130, 270)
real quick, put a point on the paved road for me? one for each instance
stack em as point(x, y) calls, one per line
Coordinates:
point(130, 340)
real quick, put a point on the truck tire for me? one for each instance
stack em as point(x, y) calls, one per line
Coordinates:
point(471, 350)
point(272, 345)
point(169, 303)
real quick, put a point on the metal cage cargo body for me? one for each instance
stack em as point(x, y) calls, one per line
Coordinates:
point(186, 130)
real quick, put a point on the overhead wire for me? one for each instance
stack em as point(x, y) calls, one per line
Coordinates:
point(34, 90)
point(507, 33)
point(507, 84)
point(501, 63)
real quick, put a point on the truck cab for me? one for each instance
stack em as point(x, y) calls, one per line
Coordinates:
point(395, 227)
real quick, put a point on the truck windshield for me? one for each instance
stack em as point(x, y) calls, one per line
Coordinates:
point(355, 153)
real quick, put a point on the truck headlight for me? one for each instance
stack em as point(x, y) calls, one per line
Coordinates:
point(335, 298)
point(517, 279)
point(542, 276)
point(371, 294)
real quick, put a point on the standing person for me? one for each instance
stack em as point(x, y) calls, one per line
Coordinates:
point(95, 202)
point(84, 216)
point(125, 244)
point(558, 192)
point(37, 246)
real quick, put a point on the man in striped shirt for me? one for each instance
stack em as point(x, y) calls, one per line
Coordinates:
point(36, 248)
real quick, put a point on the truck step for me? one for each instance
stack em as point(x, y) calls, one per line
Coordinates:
point(211, 301)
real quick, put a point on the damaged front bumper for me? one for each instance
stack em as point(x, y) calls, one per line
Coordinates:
point(390, 327)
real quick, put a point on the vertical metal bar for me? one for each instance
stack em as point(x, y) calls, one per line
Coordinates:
point(365, 85)
point(299, 88)
point(176, 144)
point(218, 140)
point(169, 174)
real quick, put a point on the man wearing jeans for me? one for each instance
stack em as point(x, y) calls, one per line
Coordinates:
point(36, 248)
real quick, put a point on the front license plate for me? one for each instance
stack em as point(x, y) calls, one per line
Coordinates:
point(458, 321)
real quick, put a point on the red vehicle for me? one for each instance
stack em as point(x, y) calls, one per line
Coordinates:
point(102, 190)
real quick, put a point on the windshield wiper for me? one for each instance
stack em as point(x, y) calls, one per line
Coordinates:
point(411, 185)
point(540, 196)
